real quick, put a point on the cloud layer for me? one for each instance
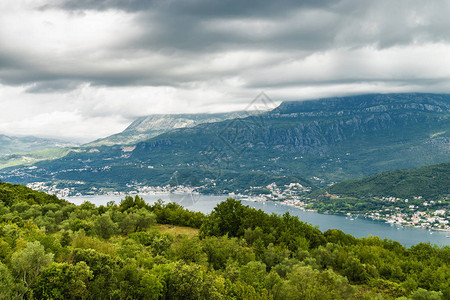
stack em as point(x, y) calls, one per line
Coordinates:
point(85, 68)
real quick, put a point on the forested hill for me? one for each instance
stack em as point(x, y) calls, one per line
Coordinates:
point(14, 193)
point(51, 249)
point(430, 182)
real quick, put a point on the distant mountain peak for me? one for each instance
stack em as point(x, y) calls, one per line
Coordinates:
point(144, 128)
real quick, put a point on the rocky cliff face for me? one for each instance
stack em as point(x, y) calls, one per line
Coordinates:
point(335, 120)
point(305, 126)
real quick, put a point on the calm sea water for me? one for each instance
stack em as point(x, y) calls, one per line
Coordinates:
point(359, 227)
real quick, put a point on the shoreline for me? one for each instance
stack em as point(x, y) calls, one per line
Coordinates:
point(285, 202)
point(385, 220)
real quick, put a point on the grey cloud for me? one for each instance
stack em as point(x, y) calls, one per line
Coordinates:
point(190, 31)
point(199, 8)
point(104, 62)
point(185, 25)
point(52, 86)
point(131, 5)
point(355, 23)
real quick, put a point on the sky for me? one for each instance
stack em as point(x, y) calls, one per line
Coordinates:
point(84, 69)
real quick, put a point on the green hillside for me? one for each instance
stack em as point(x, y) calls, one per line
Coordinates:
point(430, 182)
point(14, 193)
point(51, 249)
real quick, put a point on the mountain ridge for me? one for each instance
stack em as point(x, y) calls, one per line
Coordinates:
point(322, 141)
point(147, 127)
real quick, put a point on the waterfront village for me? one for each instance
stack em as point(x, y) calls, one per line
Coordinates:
point(432, 215)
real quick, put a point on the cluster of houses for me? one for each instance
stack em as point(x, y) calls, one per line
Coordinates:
point(437, 219)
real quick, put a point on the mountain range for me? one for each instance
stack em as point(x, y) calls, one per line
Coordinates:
point(30, 150)
point(316, 143)
point(25, 144)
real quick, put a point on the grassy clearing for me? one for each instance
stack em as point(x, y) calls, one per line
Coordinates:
point(176, 230)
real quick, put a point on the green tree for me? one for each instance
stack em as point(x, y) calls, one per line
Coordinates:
point(6, 283)
point(190, 250)
point(130, 202)
point(150, 287)
point(104, 226)
point(5, 250)
point(142, 219)
point(226, 218)
point(129, 248)
point(186, 281)
point(66, 239)
point(306, 283)
point(30, 262)
point(104, 268)
point(254, 274)
point(63, 281)
point(422, 294)
point(135, 220)
point(161, 243)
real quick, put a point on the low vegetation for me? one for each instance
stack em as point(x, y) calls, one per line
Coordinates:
point(51, 249)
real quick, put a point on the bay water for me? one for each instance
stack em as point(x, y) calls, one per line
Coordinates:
point(356, 226)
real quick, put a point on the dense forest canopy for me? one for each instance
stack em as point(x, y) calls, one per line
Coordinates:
point(52, 249)
point(430, 182)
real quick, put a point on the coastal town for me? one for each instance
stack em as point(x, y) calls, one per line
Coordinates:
point(423, 217)
point(416, 212)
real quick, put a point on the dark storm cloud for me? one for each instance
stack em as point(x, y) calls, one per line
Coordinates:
point(54, 85)
point(188, 34)
point(199, 8)
point(189, 25)
point(85, 68)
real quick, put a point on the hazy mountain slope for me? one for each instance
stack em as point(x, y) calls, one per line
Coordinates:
point(430, 182)
point(27, 151)
point(147, 127)
point(13, 144)
point(322, 141)
point(28, 159)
